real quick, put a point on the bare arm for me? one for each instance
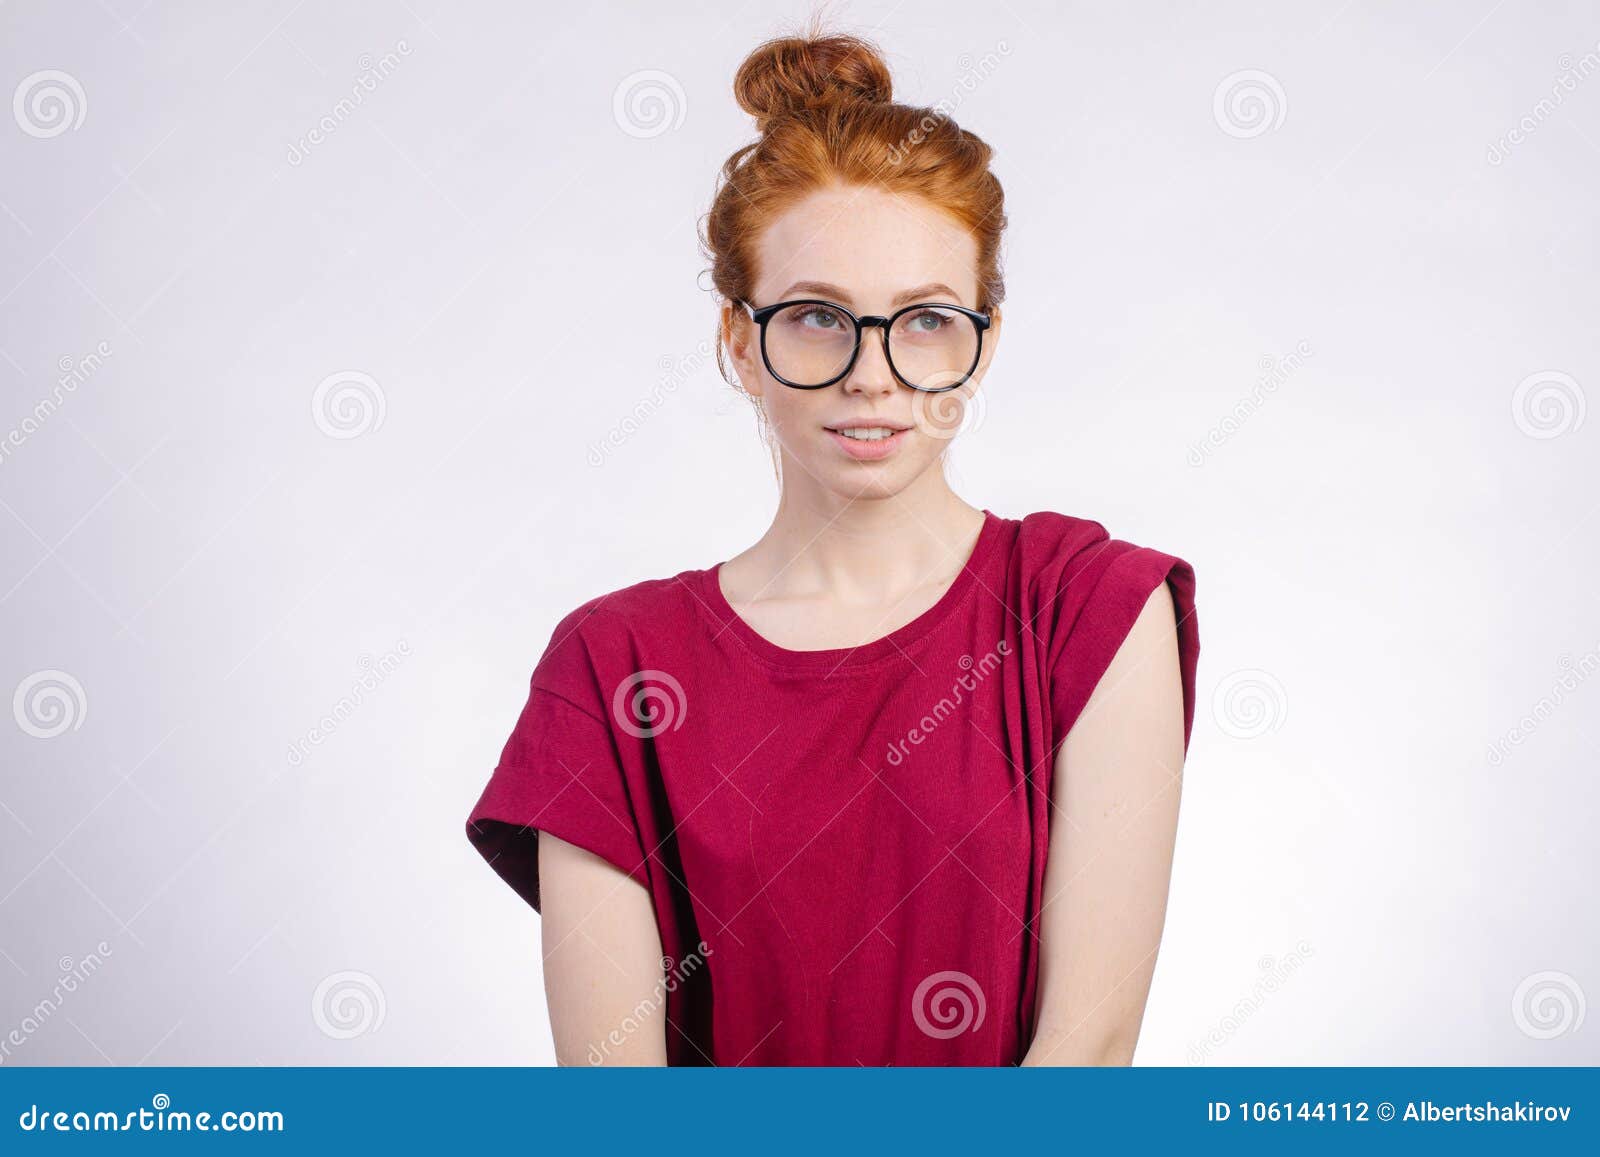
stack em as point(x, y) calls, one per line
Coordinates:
point(603, 978)
point(1113, 824)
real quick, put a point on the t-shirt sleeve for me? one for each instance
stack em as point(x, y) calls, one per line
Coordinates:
point(1103, 589)
point(561, 772)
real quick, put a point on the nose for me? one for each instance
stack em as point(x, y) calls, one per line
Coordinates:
point(871, 377)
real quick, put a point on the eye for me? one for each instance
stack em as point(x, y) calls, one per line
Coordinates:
point(927, 321)
point(818, 317)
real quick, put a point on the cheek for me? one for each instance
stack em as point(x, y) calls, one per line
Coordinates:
point(941, 418)
point(794, 414)
point(924, 450)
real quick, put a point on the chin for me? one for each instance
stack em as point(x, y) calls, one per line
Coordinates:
point(869, 480)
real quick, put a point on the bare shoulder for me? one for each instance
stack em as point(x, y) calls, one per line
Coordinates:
point(1143, 677)
point(1158, 619)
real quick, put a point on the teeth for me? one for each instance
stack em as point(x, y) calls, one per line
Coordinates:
point(868, 433)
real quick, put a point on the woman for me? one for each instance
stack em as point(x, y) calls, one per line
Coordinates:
point(899, 783)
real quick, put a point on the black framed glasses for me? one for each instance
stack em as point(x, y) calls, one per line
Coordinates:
point(811, 343)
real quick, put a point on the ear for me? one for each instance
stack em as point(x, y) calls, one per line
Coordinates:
point(741, 337)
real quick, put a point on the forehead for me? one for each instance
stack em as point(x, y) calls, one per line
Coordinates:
point(872, 242)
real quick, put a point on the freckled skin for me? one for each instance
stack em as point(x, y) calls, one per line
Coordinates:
point(876, 245)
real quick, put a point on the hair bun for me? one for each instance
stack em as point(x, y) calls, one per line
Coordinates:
point(793, 73)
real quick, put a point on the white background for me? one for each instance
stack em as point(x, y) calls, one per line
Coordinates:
point(1397, 544)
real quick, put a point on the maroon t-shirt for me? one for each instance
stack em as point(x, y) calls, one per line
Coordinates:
point(845, 848)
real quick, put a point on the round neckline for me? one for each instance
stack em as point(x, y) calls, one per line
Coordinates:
point(895, 642)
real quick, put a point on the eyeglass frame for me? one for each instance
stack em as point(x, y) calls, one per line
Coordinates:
point(981, 322)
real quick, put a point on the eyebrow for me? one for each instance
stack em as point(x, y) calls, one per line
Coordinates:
point(838, 293)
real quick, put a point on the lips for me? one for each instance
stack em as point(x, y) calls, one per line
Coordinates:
point(868, 441)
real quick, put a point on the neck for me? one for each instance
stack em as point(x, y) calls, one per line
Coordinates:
point(821, 542)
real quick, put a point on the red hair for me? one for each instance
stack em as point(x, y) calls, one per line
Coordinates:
point(824, 108)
